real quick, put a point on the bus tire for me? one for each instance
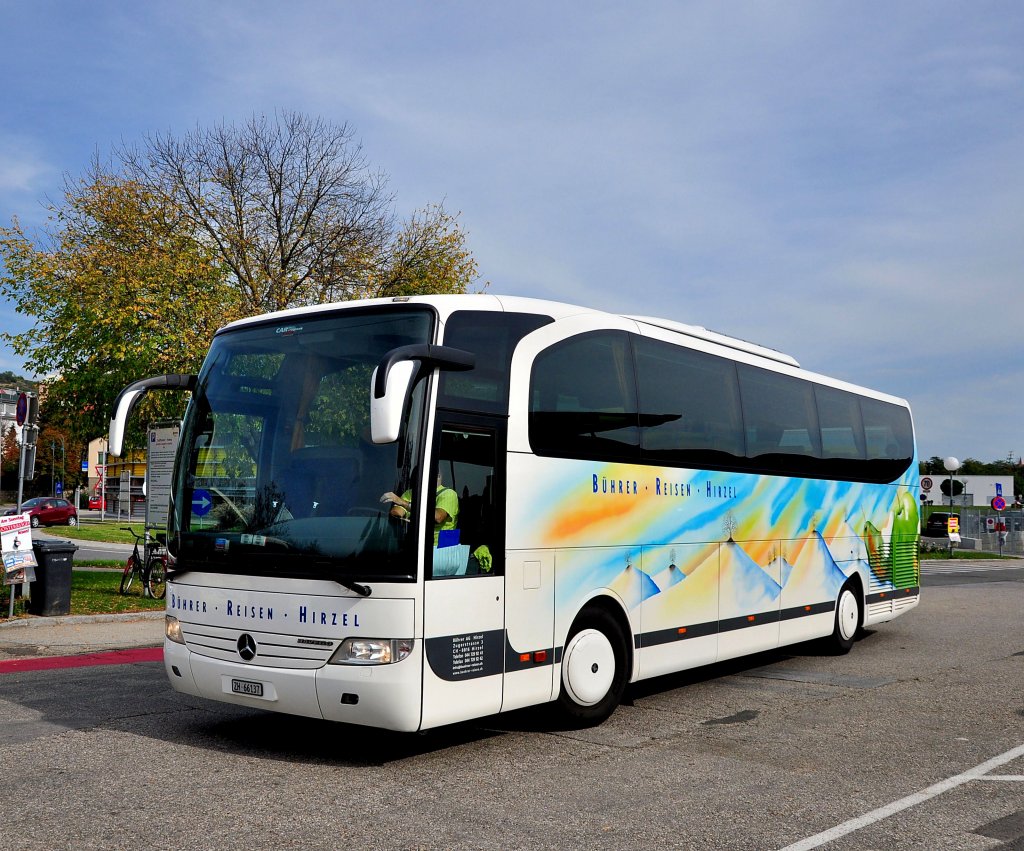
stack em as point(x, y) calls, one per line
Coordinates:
point(847, 621)
point(594, 668)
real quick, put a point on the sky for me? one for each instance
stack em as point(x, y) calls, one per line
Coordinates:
point(843, 181)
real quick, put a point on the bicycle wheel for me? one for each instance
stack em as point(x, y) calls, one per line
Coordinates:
point(129, 574)
point(157, 577)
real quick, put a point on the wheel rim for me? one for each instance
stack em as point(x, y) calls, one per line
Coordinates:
point(588, 668)
point(848, 615)
point(72, 521)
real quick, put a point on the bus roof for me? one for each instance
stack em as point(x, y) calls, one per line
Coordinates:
point(445, 305)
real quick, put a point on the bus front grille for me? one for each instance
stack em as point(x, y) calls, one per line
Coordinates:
point(272, 650)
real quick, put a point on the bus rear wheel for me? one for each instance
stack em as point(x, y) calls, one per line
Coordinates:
point(847, 623)
point(593, 669)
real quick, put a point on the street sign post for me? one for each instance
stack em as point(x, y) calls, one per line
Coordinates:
point(21, 410)
point(999, 504)
point(202, 502)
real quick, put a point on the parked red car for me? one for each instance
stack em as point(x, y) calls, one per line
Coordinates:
point(95, 501)
point(48, 511)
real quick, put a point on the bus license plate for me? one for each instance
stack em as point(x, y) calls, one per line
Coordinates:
point(247, 687)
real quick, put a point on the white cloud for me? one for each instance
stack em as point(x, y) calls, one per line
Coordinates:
point(22, 170)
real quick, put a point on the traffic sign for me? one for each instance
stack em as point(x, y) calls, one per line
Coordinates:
point(926, 484)
point(21, 410)
point(201, 502)
point(999, 503)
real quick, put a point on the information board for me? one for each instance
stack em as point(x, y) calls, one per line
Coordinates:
point(16, 546)
point(162, 444)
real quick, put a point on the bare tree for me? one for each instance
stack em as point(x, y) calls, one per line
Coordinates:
point(288, 202)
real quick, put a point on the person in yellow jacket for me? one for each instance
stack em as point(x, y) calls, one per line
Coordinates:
point(446, 507)
point(446, 516)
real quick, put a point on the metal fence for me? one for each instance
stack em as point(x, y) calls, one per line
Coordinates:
point(978, 527)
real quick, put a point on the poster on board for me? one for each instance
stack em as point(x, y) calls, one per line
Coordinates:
point(16, 547)
point(161, 448)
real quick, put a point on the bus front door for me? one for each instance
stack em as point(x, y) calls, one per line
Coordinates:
point(464, 595)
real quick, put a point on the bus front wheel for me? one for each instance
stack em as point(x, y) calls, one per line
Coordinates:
point(593, 668)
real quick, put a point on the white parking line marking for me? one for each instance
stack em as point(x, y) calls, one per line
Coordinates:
point(854, 824)
point(937, 571)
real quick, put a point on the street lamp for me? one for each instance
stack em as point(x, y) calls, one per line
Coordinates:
point(53, 484)
point(952, 465)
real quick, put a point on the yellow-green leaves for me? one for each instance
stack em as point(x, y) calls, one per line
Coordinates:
point(118, 290)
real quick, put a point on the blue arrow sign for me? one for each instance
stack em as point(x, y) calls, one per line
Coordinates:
point(201, 503)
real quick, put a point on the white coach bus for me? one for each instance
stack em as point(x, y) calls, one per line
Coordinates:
point(406, 513)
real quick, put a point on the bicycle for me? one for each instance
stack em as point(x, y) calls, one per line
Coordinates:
point(151, 569)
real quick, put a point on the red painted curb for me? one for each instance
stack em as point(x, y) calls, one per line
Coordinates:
point(108, 657)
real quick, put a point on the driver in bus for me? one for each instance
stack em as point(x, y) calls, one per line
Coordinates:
point(446, 514)
point(446, 507)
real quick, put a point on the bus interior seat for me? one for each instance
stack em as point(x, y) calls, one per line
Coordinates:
point(476, 523)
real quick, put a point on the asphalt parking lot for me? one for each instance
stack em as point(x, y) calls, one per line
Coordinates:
point(913, 740)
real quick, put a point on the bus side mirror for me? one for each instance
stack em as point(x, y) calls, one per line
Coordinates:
point(128, 398)
point(392, 382)
point(386, 411)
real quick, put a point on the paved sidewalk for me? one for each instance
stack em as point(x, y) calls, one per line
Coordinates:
point(25, 638)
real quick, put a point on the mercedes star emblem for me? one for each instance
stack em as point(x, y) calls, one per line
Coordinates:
point(246, 647)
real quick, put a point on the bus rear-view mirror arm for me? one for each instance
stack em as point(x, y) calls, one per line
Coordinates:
point(128, 398)
point(393, 378)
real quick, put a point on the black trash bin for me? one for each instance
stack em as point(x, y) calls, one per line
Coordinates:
point(51, 592)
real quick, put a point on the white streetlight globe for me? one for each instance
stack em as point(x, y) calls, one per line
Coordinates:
point(951, 464)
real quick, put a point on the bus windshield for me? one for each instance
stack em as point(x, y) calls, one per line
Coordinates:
point(276, 473)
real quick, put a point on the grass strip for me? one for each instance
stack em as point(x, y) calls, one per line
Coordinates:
point(94, 592)
point(108, 531)
point(97, 592)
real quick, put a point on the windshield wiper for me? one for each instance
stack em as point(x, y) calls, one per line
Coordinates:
point(361, 590)
point(351, 584)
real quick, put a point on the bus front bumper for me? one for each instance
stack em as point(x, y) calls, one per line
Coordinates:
point(385, 696)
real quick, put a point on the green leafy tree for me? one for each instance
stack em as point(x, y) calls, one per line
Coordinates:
point(427, 256)
point(119, 288)
point(139, 265)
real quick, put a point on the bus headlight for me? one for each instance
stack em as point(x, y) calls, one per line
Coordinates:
point(372, 651)
point(172, 629)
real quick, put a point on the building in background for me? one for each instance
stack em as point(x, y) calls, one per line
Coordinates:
point(8, 410)
point(977, 490)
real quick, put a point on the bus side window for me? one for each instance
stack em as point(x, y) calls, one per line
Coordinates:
point(466, 466)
